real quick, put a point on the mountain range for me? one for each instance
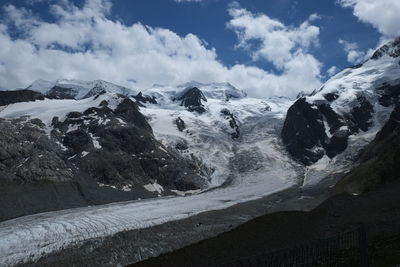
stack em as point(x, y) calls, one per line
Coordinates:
point(70, 143)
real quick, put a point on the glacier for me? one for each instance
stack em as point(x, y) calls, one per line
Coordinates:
point(250, 167)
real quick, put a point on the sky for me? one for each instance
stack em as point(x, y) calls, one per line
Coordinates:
point(265, 47)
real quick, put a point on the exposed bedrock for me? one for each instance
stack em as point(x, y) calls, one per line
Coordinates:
point(312, 130)
point(11, 97)
point(97, 156)
point(379, 162)
point(192, 98)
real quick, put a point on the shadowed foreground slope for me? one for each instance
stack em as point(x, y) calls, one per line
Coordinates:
point(378, 209)
point(281, 230)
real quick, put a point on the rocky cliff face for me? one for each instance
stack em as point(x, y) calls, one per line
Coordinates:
point(104, 153)
point(27, 154)
point(232, 123)
point(192, 98)
point(353, 104)
point(379, 162)
point(313, 130)
point(11, 97)
point(117, 147)
point(391, 49)
point(145, 98)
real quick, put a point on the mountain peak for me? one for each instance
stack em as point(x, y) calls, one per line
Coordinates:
point(391, 48)
point(76, 89)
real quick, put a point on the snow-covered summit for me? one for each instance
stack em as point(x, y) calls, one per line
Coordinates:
point(221, 91)
point(349, 84)
point(328, 128)
point(217, 90)
point(392, 49)
point(77, 89)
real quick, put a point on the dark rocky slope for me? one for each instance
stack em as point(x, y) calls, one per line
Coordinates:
point(58, 92)
point(392, 49)
point(305, 134)
point(11, 97)
point(379, 162)
point(321, 123)
point(192, 98)
point(98, 156)
point(145, 98)
point(233, 124)
point(291, 229)
point(121, 149)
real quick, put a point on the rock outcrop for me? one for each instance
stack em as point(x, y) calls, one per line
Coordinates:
point(97, 156)
point(312, 130)
point(379, 162)
point(192, 98)
point(11, 97)
point(117, 147)
point(391, 49)
point(355, 101)
point(235, 133)
point(145, 98)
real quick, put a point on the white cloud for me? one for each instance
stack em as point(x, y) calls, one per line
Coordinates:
point(286, 47)
point(382, 14)
point(278, 41)
point(332, 71)
point(354, 54)
point(314, 17)
point(83, 43)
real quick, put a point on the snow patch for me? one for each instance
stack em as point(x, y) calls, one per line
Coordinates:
point(121, 121)
point(95, 141)
point(154, 187)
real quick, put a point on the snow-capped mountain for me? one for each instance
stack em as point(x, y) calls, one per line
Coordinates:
point(208, 125)
point(228, 126)
point(328, 128)
point(76, 89)
point(96, 142)
point(103, 138)
point(109, 147)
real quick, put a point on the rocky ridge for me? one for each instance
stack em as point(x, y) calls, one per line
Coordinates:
point(353, 104)
point(106, 146)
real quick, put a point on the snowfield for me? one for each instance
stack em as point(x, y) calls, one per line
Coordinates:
point(47, 109)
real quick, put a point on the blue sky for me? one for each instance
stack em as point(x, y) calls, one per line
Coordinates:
point(208, 20)
point(258, 45)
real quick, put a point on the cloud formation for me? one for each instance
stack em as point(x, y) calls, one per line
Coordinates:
point(332, 71)
point(286, 47)
point(354, 54)
point(83, 43)
point(381, 14)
